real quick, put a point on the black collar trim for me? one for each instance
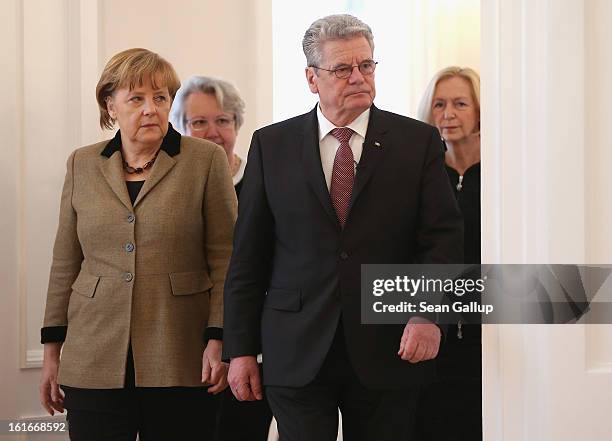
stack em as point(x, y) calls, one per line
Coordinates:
point(171, 143)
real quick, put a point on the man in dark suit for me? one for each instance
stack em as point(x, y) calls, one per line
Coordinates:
point(344, 185)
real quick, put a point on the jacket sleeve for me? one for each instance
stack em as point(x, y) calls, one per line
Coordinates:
point(219, 213)
point(249, 271)
point(67, 258)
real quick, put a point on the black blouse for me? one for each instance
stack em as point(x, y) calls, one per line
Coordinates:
point(133, 188)
point(467, 191)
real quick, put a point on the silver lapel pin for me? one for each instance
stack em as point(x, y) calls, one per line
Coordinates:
point(377, 144)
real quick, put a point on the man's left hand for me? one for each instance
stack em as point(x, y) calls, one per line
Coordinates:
point(420, 340)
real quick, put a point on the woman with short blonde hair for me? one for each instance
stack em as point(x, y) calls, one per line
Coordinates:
point(466, 73)
point(451, 407)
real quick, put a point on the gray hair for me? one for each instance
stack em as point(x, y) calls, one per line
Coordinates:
point(333, 27)
point(225, 93)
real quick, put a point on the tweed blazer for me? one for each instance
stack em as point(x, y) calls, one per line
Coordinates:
point(149, 274)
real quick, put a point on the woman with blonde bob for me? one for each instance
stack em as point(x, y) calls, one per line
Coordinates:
point(451, 408)
point(135, 291)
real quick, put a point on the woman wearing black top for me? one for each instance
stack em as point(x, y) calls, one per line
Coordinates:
point(451, 408)
point(212, 109)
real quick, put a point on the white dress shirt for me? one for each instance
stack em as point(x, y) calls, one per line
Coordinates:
point(328, 145)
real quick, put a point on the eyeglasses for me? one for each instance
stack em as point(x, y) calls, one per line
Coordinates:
point(366, 67)
point(201, 124)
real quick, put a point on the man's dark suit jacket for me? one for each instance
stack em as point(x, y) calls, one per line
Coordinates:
point(294, 271)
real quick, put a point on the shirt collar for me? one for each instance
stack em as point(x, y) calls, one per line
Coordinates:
point(171, 143)
point(359, 125)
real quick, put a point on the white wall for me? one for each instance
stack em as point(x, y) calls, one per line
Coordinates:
point(598, 95)
point(19, 388)
point(413, 40)
point(32, 132)
point(229, 40)
point(545, 150)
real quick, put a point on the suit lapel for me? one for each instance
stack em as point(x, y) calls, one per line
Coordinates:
point(112, 170)
point(163, 164)
point(311, 161)
point(375, 146)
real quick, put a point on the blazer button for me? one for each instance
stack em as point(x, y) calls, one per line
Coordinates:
point(129, 247)
point(344, 255)
point(131, 218)
point(128, 277)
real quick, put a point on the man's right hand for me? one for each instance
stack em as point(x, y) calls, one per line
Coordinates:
point(244, 379)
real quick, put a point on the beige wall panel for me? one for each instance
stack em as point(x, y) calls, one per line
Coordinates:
point(33, 127)
point(597, 109)
point(229, 40)
point(545, 200)
point(46, 145)
point(598, 96)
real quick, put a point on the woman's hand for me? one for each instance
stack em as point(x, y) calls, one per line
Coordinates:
point(214, 371)
point(50, 396)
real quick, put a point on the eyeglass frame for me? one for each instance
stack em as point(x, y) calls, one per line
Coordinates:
point(335, 71)
point(231, 120)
